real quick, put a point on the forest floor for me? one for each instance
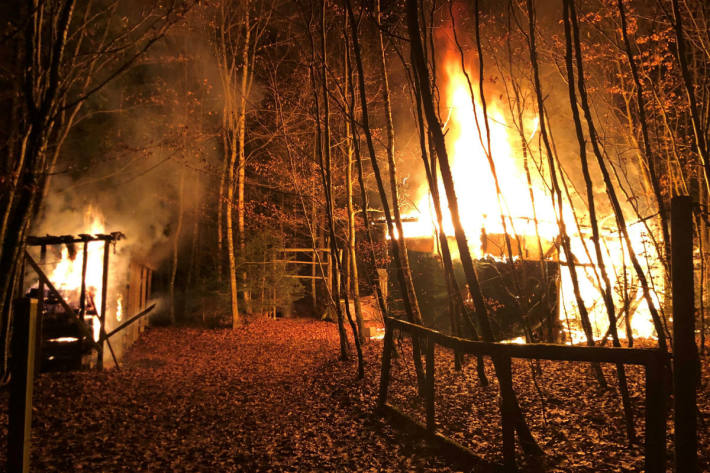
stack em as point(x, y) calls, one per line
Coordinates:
point(272, 396)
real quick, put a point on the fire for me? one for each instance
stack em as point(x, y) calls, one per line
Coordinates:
point(475, 189)
point(481, 208)
point(66, 275)
point(119, 308)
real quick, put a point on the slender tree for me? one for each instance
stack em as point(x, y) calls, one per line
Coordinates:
point(417, 54)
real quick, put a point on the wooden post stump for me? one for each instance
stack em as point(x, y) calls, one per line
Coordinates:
point(22, 371)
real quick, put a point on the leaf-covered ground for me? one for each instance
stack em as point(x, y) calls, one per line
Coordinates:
point(272, 396)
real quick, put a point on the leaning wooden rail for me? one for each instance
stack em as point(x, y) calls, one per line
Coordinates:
point(652, 359)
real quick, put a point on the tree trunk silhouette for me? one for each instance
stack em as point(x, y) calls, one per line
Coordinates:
point(527, 441)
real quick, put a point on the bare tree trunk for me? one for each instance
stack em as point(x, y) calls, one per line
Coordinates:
point(527, 441)
point(176, 243)
point(328, 177)
point(409, 298)
point(698, 135)
point(606, 290)
point(322, 147)
point(241, 157)
point(611, 191)
point(648, 155)
point(394, 193)
point(455, 295)
point(557, 193)
point(352, 284)
point(220, 211)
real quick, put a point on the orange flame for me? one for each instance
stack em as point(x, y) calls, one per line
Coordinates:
point(480, 207)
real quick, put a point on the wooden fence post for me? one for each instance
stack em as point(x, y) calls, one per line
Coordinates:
point(429, 386)
point(23, 364)
point(102, 313)
point(505, 378)
point(685, 352)
point(655, 414)
point(386, 362)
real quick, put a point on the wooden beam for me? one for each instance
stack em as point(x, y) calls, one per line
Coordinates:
point(102, 314)
point(454, 451)
point(305, 250)
point(542, 351)
point(128, 322)
point(69, 239)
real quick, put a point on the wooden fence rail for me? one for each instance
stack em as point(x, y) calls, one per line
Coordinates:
point(652, 360)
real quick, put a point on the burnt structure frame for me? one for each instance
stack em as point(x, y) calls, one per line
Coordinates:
point(68, 240)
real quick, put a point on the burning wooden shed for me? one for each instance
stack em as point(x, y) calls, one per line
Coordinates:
point(83, 298)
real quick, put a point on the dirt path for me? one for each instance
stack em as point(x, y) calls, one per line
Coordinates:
point(268, 397)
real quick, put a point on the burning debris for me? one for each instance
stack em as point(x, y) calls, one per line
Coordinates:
point(521, 222)
point(80, 304)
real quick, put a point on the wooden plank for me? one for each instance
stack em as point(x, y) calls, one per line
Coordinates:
point(685, 352)
point(543, 351)
point(429, 387)
point(302, 276)
point(20, 404)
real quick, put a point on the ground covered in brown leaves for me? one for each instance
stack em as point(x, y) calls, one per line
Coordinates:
point(272, 396)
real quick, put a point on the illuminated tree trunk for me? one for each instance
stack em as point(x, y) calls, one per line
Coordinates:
point(229, 225)
point(392, 166)
point(328, 180)
point(227, 69)
point(610, 190)
point(557, 193)
point(361, 179)
point(527, 441)
point(648, 155)
point(352, 281)
point(323, 155)
point(241, 157)
point(221, 206)
point(176, 244)
point(606, 290)
point(411, 306)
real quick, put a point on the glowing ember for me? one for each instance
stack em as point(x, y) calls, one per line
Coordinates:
point(119, 308)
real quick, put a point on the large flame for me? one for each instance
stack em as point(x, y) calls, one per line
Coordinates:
point(480, 209)
point(66, 275)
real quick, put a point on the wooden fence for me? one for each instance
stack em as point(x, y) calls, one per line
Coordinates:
point(653, 360)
